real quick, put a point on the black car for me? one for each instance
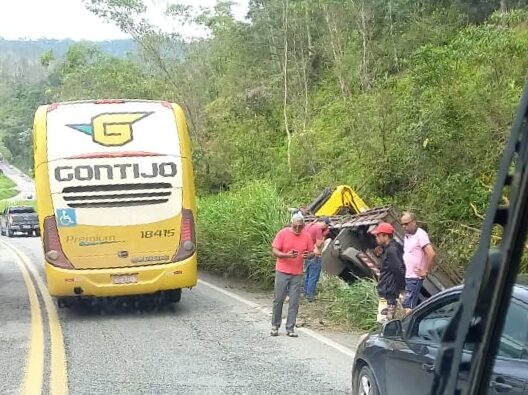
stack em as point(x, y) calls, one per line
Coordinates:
point(399, 358)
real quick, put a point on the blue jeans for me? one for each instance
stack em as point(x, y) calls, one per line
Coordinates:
point(412, 292)
point(311, 276)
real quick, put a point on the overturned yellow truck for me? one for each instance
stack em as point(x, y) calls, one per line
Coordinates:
point(350, 252)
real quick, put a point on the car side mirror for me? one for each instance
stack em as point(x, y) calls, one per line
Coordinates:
point(392, 329)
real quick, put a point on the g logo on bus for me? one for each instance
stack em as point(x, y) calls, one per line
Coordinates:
point(111, 129)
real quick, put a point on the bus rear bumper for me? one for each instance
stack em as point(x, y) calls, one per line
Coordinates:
point(121, 281)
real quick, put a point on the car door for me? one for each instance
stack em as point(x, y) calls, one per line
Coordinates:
point(410, 363)
point(510, 372)
point(508, 377)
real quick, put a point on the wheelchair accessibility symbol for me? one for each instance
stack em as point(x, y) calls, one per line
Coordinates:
point(66, 217)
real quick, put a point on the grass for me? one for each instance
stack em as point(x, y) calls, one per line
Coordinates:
point(353, 306)
point(7, 188)
point(5, 203)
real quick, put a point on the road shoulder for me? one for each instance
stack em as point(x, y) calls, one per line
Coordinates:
point(310, 314)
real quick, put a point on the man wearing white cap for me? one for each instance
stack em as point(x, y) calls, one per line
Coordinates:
point(291, 246)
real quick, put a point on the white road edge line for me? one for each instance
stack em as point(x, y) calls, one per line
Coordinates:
point(323, 339)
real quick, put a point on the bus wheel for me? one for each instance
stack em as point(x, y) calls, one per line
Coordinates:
point(174, 295)
point(64, 302)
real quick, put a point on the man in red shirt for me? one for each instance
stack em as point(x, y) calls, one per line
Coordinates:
point(291, 246)
point(317, 231)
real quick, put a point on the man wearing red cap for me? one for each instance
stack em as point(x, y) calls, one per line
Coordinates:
point(392, 270)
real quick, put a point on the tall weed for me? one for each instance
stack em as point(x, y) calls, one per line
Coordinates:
point(352, 305)
point(235, 231)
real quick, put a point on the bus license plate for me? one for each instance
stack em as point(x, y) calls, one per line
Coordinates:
point(125, 279)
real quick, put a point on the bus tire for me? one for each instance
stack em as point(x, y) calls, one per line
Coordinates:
point(64, 302)
point(173, 296)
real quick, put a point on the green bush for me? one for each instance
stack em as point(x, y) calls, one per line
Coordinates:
point(355, 304)
point(235, 231)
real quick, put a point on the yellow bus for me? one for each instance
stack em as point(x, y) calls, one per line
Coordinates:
point(115, 198)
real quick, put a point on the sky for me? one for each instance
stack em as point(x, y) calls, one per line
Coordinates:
point(59, 19)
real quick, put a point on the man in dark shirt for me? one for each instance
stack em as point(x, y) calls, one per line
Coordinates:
point(392, 271)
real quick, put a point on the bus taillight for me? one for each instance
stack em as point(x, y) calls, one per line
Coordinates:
point(188, 237)
point(52, 246)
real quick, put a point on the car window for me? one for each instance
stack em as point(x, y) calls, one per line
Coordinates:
point(430, 327)
point(514, 339)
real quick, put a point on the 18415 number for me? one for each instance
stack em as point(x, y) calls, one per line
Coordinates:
point(149, 234)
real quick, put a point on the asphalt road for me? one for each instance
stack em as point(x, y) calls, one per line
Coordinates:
point(209, 343)
point(24, 183)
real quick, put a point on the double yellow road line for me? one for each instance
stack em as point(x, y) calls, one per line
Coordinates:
point(34, 372)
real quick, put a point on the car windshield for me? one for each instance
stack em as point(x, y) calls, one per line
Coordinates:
point(22, 210)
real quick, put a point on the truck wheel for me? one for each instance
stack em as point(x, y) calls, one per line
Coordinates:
point(173, 296)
